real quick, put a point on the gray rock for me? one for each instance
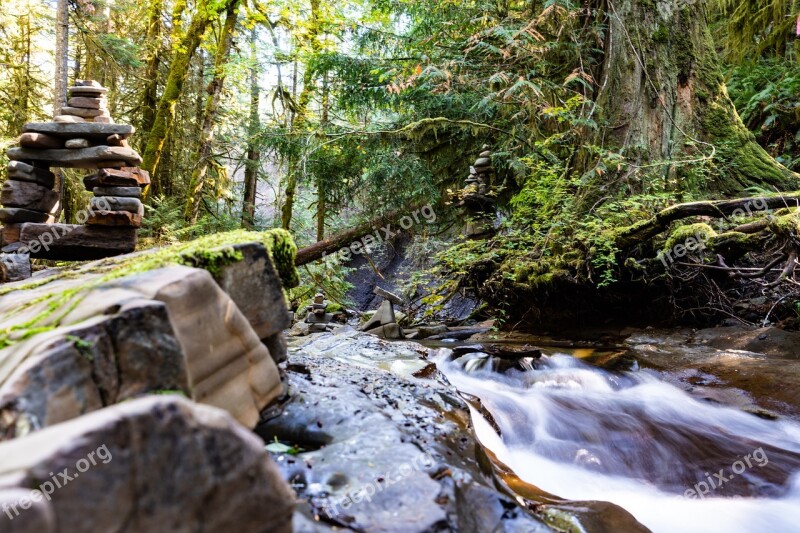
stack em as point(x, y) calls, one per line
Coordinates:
point(76, 242)
point(95, 157)
point(87, 102)
point(9, 215)
point(429, 331)
point(254, 285)
point(384, 315)
point(92, 131)
point(117, 203)
point(388, 295)
point(40, 140)
point(77, 143)
point(387, 331)
point(155, 464)
point(482, 162)
point(20, 171)
point(68, 119)
point(82, 112)
point(485, 154)
point(125, 192)
point(14, 267)
point(107, 360)
point(28, 196)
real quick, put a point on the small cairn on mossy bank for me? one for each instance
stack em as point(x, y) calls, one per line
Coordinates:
point(477, 199)
point(83, 136)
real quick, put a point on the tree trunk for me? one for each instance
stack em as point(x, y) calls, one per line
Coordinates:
point(663, 104)
point(184, 47)
point(150, 94)
point(210, 113)
point(60, 89)
point(301, 119)
point(253, 153)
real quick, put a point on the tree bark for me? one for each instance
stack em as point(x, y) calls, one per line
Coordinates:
point(62, 56)
point(301, 119)
point(210, 113)
point(184, 46)
point(150, 93)
point(663, 104)
point(253, 153)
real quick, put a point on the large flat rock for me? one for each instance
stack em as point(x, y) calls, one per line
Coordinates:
point(93, 157)
point(92, 131)
point(76, 242)
point(154, 464)
point(61, 373)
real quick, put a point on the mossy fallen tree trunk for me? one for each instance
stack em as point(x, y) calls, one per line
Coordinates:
point(643, 231)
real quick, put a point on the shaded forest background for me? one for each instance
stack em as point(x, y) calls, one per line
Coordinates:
point(315, 115)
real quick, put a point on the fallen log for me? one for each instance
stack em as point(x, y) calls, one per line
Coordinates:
point(347, 239)
point(648, 229)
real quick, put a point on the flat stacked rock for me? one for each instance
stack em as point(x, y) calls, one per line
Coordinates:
point(27, 196)
point(82, 136)
point(87, 103)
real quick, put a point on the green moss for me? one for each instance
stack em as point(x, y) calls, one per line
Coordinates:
point(211, 253)
point(787, 226)
point(689, 231)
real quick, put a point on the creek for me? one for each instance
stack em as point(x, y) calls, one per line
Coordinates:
point(676, 460)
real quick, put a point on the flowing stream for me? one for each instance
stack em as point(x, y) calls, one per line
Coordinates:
point(675, 462)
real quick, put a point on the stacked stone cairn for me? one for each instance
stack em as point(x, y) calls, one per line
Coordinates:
point(476, 197)
point(83, 136)
point(317, 318)
point(384, 323)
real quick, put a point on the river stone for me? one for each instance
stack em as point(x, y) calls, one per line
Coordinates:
point(77, 143)
point(29, 196)
point(15, 214)
point(76, 242)
point(226, 364)
point(117, 203)
point(39, 140)
point(18, 170)
point(387, 331)
point(87, 90)
point(482, 162)
point(14, 267)
point(10, 234)
point(126, 192)
point(102, 361)
point(383, 293)
point(114, 218)
point(123, 177)
point(160, 463)
point(80, 112)
point(254, 285)
point(95, 157)
point(94, 132)
point(486, 154)
point(68, 119)
point(383, 316)
point(104, 120)
point(86, 102)
point(381, 465)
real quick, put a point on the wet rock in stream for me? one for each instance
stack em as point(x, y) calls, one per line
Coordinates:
point(380, 449)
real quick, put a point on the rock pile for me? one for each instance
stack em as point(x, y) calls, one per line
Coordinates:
point(87, 103)
point(384, 323)
point(83, 136)
point(477, 199)
point(317, 318)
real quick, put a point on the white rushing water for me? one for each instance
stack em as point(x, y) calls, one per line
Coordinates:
point(582, 433)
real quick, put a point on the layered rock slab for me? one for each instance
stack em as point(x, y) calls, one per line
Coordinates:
point(154, 464)
point(224, 362)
